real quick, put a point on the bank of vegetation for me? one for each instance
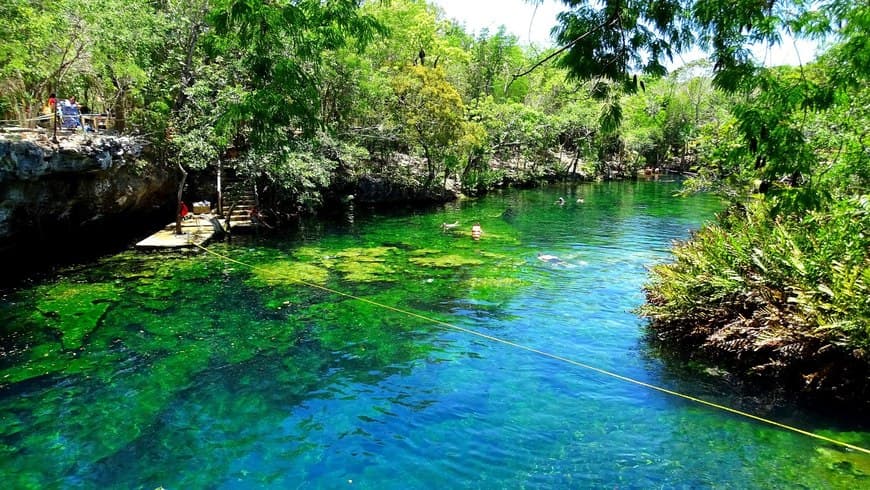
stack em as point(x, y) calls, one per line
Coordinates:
point(307, 98)
point(301, 97)
point(778, 289)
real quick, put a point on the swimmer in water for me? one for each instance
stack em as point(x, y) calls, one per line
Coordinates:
point(449, 226)
point(560, 201)
point(476, 231)
point(551, 259)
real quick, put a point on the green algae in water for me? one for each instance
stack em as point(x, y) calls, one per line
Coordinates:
point(355, 264)
point(366, 271)
point(312, 254)
point(425, 251)
point(45, 359)
point(368, 254)
point(844, 461)
point(492, 287)
point(445, 261)
point(170, 282)
point(74, 310)
point(51, 338)
point(366, 332)
point(100, 422)
point(288, 272)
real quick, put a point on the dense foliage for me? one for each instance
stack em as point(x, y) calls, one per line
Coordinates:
point(793, 251)
point(218, 82)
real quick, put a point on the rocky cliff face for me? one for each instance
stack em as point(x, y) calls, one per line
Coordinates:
point(75, 192)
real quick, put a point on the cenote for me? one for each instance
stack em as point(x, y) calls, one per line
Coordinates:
point(142, 370)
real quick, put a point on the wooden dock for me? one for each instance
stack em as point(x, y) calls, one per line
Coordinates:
point(195, 232)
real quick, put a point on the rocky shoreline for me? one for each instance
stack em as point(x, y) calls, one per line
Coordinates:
point(83, 188)
point(773, 367)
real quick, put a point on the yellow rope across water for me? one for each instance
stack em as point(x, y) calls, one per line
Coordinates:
point(559, 358)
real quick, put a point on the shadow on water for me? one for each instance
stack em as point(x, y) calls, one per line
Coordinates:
point(769, 401)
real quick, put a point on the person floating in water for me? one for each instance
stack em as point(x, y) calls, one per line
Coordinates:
point(551, 259)
point(560, 201)
point(476, 231)
point(449, 226)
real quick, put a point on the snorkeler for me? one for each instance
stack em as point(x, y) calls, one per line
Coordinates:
point(551, 259)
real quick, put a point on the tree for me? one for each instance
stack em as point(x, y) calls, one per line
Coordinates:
point(613, 39)
point(494, 59)
point(73, 47)
point(430, 112)
point(30, 63)
point(663, 120)
point(121, 36)
point(280, 46)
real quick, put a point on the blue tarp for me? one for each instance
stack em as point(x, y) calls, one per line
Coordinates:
point(70, 116)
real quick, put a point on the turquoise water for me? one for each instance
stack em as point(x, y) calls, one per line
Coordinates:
point(195, 371)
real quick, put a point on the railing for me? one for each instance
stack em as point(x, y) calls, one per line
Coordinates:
point(74, 122)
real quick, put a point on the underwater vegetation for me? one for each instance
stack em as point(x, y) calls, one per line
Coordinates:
point(114, 346)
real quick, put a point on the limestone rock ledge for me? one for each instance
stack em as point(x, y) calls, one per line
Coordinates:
point(55, 195)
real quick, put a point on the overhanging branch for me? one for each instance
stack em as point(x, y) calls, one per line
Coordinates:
point(608, 22)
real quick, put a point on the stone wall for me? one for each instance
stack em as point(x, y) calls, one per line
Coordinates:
point(75, 192)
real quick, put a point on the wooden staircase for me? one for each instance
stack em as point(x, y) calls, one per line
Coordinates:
point(239, 199)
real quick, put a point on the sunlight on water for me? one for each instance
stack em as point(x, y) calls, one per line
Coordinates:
point(190, 371)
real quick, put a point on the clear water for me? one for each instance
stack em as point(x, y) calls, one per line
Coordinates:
point(191, 371)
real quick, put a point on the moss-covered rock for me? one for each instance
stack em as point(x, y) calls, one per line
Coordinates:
point(74, 310)
point(366, 271)
point(445, 261)
point(288, 272)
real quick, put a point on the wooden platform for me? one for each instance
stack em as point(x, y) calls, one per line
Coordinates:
point(195, 231)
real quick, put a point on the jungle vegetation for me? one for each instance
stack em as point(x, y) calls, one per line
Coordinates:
point(301, 95)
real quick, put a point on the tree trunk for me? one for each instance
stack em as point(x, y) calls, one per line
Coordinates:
point(430, 167)
point(220, 198)
point(178, 205)
point(464, 176)
point(186, 69)
point(119, 114)
point(573, 165)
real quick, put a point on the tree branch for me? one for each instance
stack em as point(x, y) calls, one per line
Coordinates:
point(561, 50)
